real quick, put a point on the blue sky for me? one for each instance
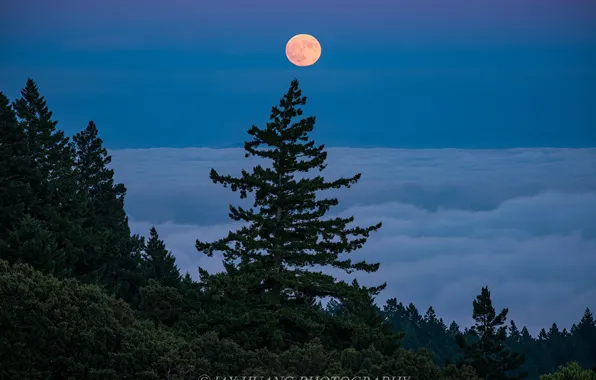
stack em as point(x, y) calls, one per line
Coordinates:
point(393, 74)
point(494, 81)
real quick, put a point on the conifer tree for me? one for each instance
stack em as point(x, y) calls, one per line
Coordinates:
point(161, 264)
point(514, 333)
point(430, 316)
point(434, 330)
point(525, 337)
point(453, 329)
point(286, 233)
point(109, 249)
point(58, 204)
point(15, 171)
point(585, 339)
point(406, 320)
point(489, 354)
point(49, 149)
point(97, 180)
point(514, 338)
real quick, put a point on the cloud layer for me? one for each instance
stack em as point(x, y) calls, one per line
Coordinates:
point(522, 221)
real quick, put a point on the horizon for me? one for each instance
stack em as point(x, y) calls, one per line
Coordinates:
point(578, 136)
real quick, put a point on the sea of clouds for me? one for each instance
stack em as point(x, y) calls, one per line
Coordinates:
point(522, 221)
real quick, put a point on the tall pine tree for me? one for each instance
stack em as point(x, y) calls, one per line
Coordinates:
point(108, 257)
point(286, 233)
point(58, 207)
point(489, 354)
point(97, 180)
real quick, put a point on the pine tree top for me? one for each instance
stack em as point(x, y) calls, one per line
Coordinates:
point(286, 226)
point(32, 106)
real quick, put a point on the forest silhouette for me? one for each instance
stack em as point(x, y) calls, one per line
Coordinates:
point(84, 298)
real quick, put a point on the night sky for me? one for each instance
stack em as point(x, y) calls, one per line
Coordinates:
point(508, 86)
point(417, 74)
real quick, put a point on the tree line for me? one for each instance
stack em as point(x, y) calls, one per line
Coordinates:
point(84, 298)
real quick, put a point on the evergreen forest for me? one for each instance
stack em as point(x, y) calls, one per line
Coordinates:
point(82, 297)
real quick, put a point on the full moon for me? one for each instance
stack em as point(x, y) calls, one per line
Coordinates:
point(303, 50)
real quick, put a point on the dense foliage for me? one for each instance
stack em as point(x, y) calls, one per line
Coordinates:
point(572, 371)
point(83, 298)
